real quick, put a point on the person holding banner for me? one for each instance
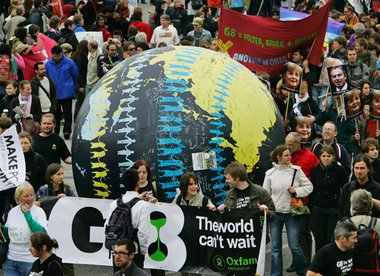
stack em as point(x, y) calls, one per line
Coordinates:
point(345, 128)
point(243, 193)
point(55, 185)
point(281, 182)
point(145, 185)
point(189, 194)
point(23, 220)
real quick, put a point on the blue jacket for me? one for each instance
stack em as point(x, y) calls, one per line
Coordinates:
point(44, 191)
point(64, 76)
point(205, 35)
point(78, 28)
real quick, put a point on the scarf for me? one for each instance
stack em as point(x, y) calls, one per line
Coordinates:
point(28, 104)
point(298, 101)
point(50, 29)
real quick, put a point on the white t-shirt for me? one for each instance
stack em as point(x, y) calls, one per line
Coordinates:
point(19, 233)
point(140, 218)
point(168, 35)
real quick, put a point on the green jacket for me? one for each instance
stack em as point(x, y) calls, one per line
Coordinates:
point(346, 128)
point(369, 60)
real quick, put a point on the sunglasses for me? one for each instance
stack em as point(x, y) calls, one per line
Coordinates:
point(131, 49)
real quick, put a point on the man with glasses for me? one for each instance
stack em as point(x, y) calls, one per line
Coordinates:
point(129, 49)
point(124, 254)
point(108, 61)
point(329, 133)
point(349, 16)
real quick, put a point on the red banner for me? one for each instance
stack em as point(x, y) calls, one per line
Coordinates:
point(263, 43)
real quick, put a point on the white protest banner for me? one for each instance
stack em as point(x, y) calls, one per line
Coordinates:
point(179, 238)
point(12, 161)
point(97, 36)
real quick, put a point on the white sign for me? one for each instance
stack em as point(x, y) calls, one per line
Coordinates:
point(97, 36)
point(204, 160)
point(12, 161)
point(78, 226)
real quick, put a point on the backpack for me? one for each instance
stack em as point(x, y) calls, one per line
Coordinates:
point(196, 4)
point(120, 223)
point(204, 200)
point(366, 251)
point(5, 69)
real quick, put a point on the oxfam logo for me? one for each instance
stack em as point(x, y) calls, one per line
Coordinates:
point(157, 250)
point(219, 262)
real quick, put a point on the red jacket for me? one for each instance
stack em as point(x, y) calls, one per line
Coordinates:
point(143, 27)
point(306, 160)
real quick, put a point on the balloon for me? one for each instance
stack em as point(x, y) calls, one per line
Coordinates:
point(174, 107)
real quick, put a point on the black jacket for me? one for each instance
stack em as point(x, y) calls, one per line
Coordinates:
point(81, 63)
point(70, 38)
point(51, 266)
point(344, 204)
point(35, 169)
point(178, 16)
point(108, 60)
point(5, 103)
point(327, 182)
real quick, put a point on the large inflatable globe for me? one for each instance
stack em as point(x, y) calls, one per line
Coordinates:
point(181, 109)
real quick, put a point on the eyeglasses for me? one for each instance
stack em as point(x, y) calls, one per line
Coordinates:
point(131, 49)
point(120, 253)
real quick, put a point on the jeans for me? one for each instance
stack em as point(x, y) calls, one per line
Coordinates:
point(323, 222)
point(78, 104)
point(15, 268)
point(305, 238)
point(292, 225)
point(64, 105)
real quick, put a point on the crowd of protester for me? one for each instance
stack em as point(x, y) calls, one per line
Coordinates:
point(324, 148)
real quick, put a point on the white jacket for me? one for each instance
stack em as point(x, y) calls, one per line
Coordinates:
point(140, 218)
point(277, 181)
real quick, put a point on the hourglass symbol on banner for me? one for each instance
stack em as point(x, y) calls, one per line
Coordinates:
point(157, 250)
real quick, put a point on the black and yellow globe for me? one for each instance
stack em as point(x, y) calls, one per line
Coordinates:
point(164, 106)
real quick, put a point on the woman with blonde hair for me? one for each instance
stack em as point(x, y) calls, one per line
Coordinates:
point(23, 220)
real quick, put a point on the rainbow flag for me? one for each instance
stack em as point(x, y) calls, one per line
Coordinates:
point(334, 28)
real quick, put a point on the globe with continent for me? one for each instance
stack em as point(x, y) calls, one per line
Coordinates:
point(181, 109)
